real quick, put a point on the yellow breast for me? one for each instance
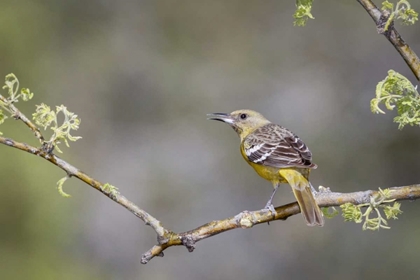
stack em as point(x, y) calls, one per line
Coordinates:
point(267, 172)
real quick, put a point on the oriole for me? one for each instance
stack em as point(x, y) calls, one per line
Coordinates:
point(278, 156)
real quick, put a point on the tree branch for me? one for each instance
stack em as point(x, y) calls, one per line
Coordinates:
point(46, 152)
point(17, 115)
point(380, 18)
point(248, 219)
point(163, 234)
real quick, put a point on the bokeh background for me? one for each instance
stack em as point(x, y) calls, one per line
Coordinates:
point(142, 75)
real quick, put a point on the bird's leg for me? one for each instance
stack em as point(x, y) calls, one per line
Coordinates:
point(269, 204)
point(312, 188)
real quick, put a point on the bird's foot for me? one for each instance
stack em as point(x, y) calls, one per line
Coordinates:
point(270, 207)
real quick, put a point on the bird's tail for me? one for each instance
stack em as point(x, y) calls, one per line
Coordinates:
point(302, 190)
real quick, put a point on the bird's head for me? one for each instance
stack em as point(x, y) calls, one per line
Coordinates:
point(242, 121)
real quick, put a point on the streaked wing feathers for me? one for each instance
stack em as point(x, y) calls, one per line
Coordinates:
point(273, 145)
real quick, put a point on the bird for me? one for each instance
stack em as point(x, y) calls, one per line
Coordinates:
point(278, 155)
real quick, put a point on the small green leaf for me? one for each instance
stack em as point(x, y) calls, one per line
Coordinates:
point(402, 12)
point(354, 212)
point(396, 91)
point(329, 212)
point(60, 184)
point(26, 94)
point(386, 193)
point(373, 224)
point(351, 213)
point(393, 211)
point(387, 6)
point(374, 106)
point(43, 116)
point(3, 117)
point(303, 12)
point(55, 144)
point(109, 189)
point(71, 122)
point(12, 86)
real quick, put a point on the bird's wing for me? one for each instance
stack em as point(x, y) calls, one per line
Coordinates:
point(273, 145)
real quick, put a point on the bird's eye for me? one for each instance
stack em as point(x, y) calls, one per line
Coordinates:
point(243, 116)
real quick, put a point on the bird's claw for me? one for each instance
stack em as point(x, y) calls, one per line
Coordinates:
point(270, 207)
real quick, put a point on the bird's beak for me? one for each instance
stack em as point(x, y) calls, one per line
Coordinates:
point(220, 117)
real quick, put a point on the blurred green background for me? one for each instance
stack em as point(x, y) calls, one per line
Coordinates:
point(142, 75)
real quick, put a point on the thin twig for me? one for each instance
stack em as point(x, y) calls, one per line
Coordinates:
point(17, 115)
point(163, 234)
point(380, 18)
